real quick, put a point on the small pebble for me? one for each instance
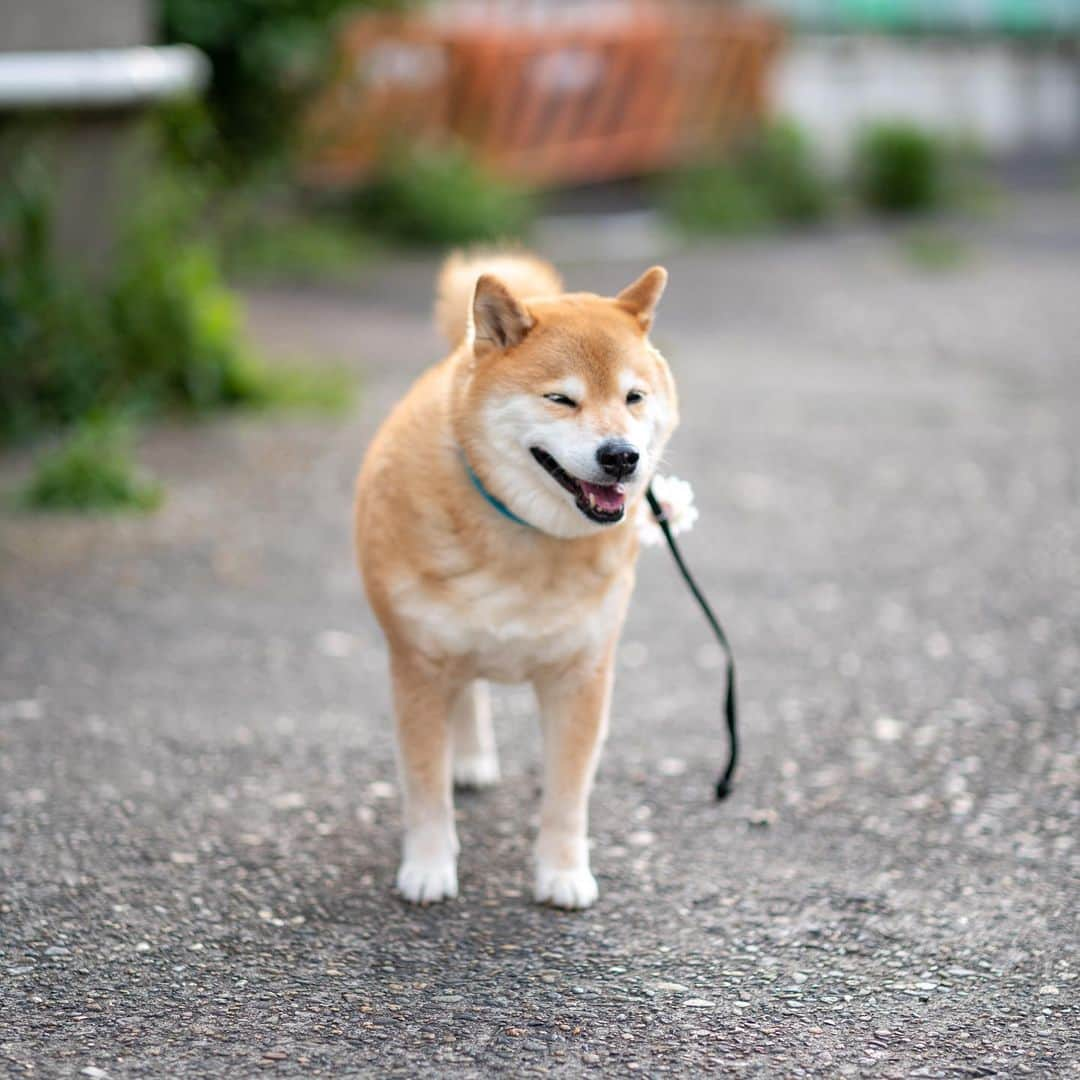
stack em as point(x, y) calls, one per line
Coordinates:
point(886, 729)
point(289, 800)
point(26, 709)
point(671, 766)
point(335, 643)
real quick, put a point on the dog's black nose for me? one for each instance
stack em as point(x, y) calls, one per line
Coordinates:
point(617, 458)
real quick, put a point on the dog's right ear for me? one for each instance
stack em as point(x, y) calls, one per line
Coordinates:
point(499, 320)
point(641, 298)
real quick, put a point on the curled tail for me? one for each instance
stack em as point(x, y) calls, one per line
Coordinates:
point(523, 274)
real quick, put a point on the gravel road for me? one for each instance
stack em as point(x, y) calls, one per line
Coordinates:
point(198, 815)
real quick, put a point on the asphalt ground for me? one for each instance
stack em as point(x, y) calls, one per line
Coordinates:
point(198, 815)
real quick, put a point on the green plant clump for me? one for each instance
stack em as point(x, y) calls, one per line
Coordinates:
point(52, 341)
point(935, 249)
point(780, 161)
point(175, 326)
point(716, 198)
point(441, 196)
point(160, 332)
point(771, 178)
point(267, 246)
point(93, 471)
point(899, 168)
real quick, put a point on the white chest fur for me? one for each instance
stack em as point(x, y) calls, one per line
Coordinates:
point(503, 629)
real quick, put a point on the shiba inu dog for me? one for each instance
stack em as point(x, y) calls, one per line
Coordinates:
point(495, 536)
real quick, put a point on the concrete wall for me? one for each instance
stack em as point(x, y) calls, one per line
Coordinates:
point(92, 156)
point(1010, 95)
point(28, 25)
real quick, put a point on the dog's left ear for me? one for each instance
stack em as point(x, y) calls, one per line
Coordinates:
point(499, 319)
point(641, 298)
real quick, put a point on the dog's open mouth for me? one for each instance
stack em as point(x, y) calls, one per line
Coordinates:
point(603, 503)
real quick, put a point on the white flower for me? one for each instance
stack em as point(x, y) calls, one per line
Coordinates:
point(677, 498)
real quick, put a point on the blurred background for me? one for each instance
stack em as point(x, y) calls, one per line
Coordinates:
point(220, 222)
point(157, 152)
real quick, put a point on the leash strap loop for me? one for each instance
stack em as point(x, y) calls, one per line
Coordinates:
point(724, 783)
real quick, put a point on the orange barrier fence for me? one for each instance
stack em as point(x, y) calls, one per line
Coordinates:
point(547, 103)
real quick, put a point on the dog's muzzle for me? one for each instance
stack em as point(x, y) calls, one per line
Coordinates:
point(603, 503)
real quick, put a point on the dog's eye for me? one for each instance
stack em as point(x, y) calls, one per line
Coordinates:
point(562, 399)
point(635, 397)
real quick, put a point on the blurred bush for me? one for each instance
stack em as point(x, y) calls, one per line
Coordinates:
point(267, 57)
point(52, 342)
point(158, 332)
point(935, 249)
point(899, 168)
point(175, 327)
point(781, 162)
point(436, 196)
point(714, 198)
point(771, 178)
point(93, 470)
point(286, 242)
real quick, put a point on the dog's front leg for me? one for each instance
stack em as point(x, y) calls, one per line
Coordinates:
point(574, 707)
point(422, 701)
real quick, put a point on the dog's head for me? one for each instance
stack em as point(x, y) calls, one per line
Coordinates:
point(565, 406)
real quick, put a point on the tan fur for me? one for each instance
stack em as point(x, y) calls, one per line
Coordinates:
point(523, 274)
point(464, 594)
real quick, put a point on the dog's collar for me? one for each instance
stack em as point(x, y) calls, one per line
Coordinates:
point(497, 503)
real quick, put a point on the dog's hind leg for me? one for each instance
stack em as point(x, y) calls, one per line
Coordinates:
point(476, 764)
point(422, 703)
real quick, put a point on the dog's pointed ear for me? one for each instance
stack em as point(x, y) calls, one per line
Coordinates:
point(641, 298)
point(500, 321)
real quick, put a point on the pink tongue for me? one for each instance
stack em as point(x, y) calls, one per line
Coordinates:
point(609, 497)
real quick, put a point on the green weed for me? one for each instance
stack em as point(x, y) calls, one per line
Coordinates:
point(160, 333)
point(780, 162)
point(441, 197)
point(771, 178)
point(935, 249)
point(274, 386)
point(292, 248)
point(92, 472)
point(899, 169)
point(715, 198)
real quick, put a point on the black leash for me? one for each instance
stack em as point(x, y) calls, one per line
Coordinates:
point(723, 785)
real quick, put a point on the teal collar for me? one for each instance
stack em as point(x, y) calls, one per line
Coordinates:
point(497, 503)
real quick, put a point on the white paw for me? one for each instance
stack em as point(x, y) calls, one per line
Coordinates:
point(476, 771)
point(427, 881)
point(566, 888)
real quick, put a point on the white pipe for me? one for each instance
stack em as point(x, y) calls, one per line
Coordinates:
point(100, 78)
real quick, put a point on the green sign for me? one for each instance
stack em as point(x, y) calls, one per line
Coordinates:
point(976, 16)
